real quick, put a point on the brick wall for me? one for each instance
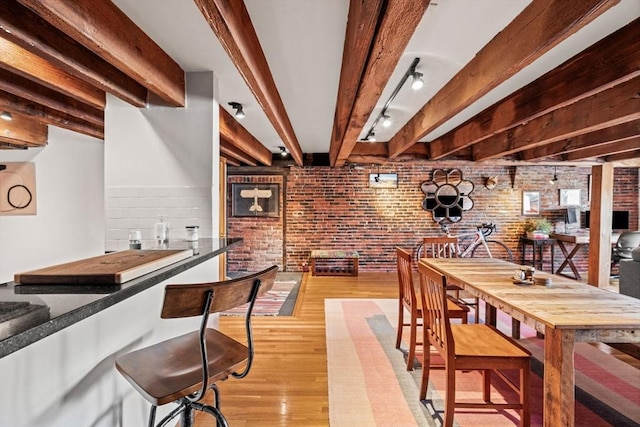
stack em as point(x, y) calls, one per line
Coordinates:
point(329, 208)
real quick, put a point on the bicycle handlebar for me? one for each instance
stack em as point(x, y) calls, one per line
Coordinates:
point(486, 227)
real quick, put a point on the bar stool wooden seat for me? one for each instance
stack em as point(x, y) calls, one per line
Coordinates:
point(409, 299)
point(181, 369)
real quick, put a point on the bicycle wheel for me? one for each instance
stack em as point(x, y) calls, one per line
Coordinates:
point(498, 250)
point(419, 251)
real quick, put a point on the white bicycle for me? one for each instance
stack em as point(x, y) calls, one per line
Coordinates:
point(480, 246)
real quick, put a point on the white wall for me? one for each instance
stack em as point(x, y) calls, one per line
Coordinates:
point(69, 224)
point(163, 161)
point(69, 378)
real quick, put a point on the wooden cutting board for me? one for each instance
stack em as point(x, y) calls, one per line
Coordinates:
point(113, 268)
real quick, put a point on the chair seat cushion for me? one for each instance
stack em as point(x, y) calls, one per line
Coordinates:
point(172, 369)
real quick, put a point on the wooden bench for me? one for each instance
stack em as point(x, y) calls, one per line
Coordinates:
point(334, 263)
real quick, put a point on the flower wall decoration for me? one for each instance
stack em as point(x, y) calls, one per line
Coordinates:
point(447, 195)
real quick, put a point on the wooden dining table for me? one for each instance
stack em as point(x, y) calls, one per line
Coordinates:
point(566, 312)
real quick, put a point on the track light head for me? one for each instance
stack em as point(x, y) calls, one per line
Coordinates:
point(417, 82)
point(371, 137)
point(554, 180)
point(5, 115)
point(386, 121)
point(283, 151)
point(239, 111)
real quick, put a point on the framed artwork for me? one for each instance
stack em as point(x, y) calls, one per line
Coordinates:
point(530, 203)
point(383, 180)
point(570, 197)
point(257, 200)
point(18, 189)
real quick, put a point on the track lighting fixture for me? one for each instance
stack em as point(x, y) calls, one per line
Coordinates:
point(371, 136)
point(386, 119)
point(283, 151)
point(239, 111)
point(417, 82)
point(5, 115)
point(554, 180)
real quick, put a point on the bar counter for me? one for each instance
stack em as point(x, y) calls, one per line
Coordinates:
point(60, 306)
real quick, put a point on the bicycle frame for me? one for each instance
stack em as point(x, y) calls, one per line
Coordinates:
point(480, 234)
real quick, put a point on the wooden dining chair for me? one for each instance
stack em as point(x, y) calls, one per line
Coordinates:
point(182, 369)
point(469, 347)
point(409, 299)
point(447, 247)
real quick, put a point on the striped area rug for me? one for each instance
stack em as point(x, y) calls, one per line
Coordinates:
point(369, 384)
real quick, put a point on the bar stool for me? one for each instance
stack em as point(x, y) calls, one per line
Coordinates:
point(181, 369)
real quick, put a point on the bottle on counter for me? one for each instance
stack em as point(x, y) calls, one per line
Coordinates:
point(192, 233)
point(135, 239)
point(161, 230)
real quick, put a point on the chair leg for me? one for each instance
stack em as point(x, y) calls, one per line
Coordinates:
point(450, 396)
point(411, 354)
point(525, 384)
point(426, 368)
point(400, 325)
point(152, 416)
point(486, 385)
point(186, 418)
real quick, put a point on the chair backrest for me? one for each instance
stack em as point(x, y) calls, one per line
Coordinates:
point(629, 240)
point(435, 313)
point(440, 247)
point(405, 279)
point(189, 300)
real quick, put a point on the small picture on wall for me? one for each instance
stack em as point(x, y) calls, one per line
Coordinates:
point(530, 203)
point(17, 188)
point(570, 197)
point(258, 200)
point(383, 180)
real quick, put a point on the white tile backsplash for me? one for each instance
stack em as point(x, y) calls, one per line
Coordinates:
point(137, 208)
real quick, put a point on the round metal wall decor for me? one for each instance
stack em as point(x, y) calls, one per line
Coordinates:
point(447, 195)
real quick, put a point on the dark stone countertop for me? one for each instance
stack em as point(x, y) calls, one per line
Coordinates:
point(69, 304)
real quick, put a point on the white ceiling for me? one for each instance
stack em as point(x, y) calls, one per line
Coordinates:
point(303, 40)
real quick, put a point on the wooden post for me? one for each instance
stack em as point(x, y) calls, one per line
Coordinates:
point(600, 225)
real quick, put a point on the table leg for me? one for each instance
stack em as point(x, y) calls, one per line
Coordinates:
point(559, 378)
point(568, 259)
point(490, 314)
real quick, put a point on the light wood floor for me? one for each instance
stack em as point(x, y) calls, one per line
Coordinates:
point(287, 385)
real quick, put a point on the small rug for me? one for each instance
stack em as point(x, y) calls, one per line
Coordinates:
point(279, 301)
point(370, 386)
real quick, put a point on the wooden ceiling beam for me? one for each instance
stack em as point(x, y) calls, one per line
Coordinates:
point(230, 160)
point(36, 93)
point(397, 25)
point(23, 27)
point(26, 64)
point(611, 107)
point(229, 149)
point(542, 25)
point(105, 30)
point(48, 115)
point(238, 136)
point(230, 21)
point(580, 142)
point(22, 130)
point(624, 156)
point(609, 149)
point(362, 22)
point(610, 61)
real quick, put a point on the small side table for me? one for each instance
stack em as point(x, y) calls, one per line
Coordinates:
point(537, 246)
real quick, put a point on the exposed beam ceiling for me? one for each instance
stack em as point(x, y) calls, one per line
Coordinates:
point(59, 57)
point(230, 21)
